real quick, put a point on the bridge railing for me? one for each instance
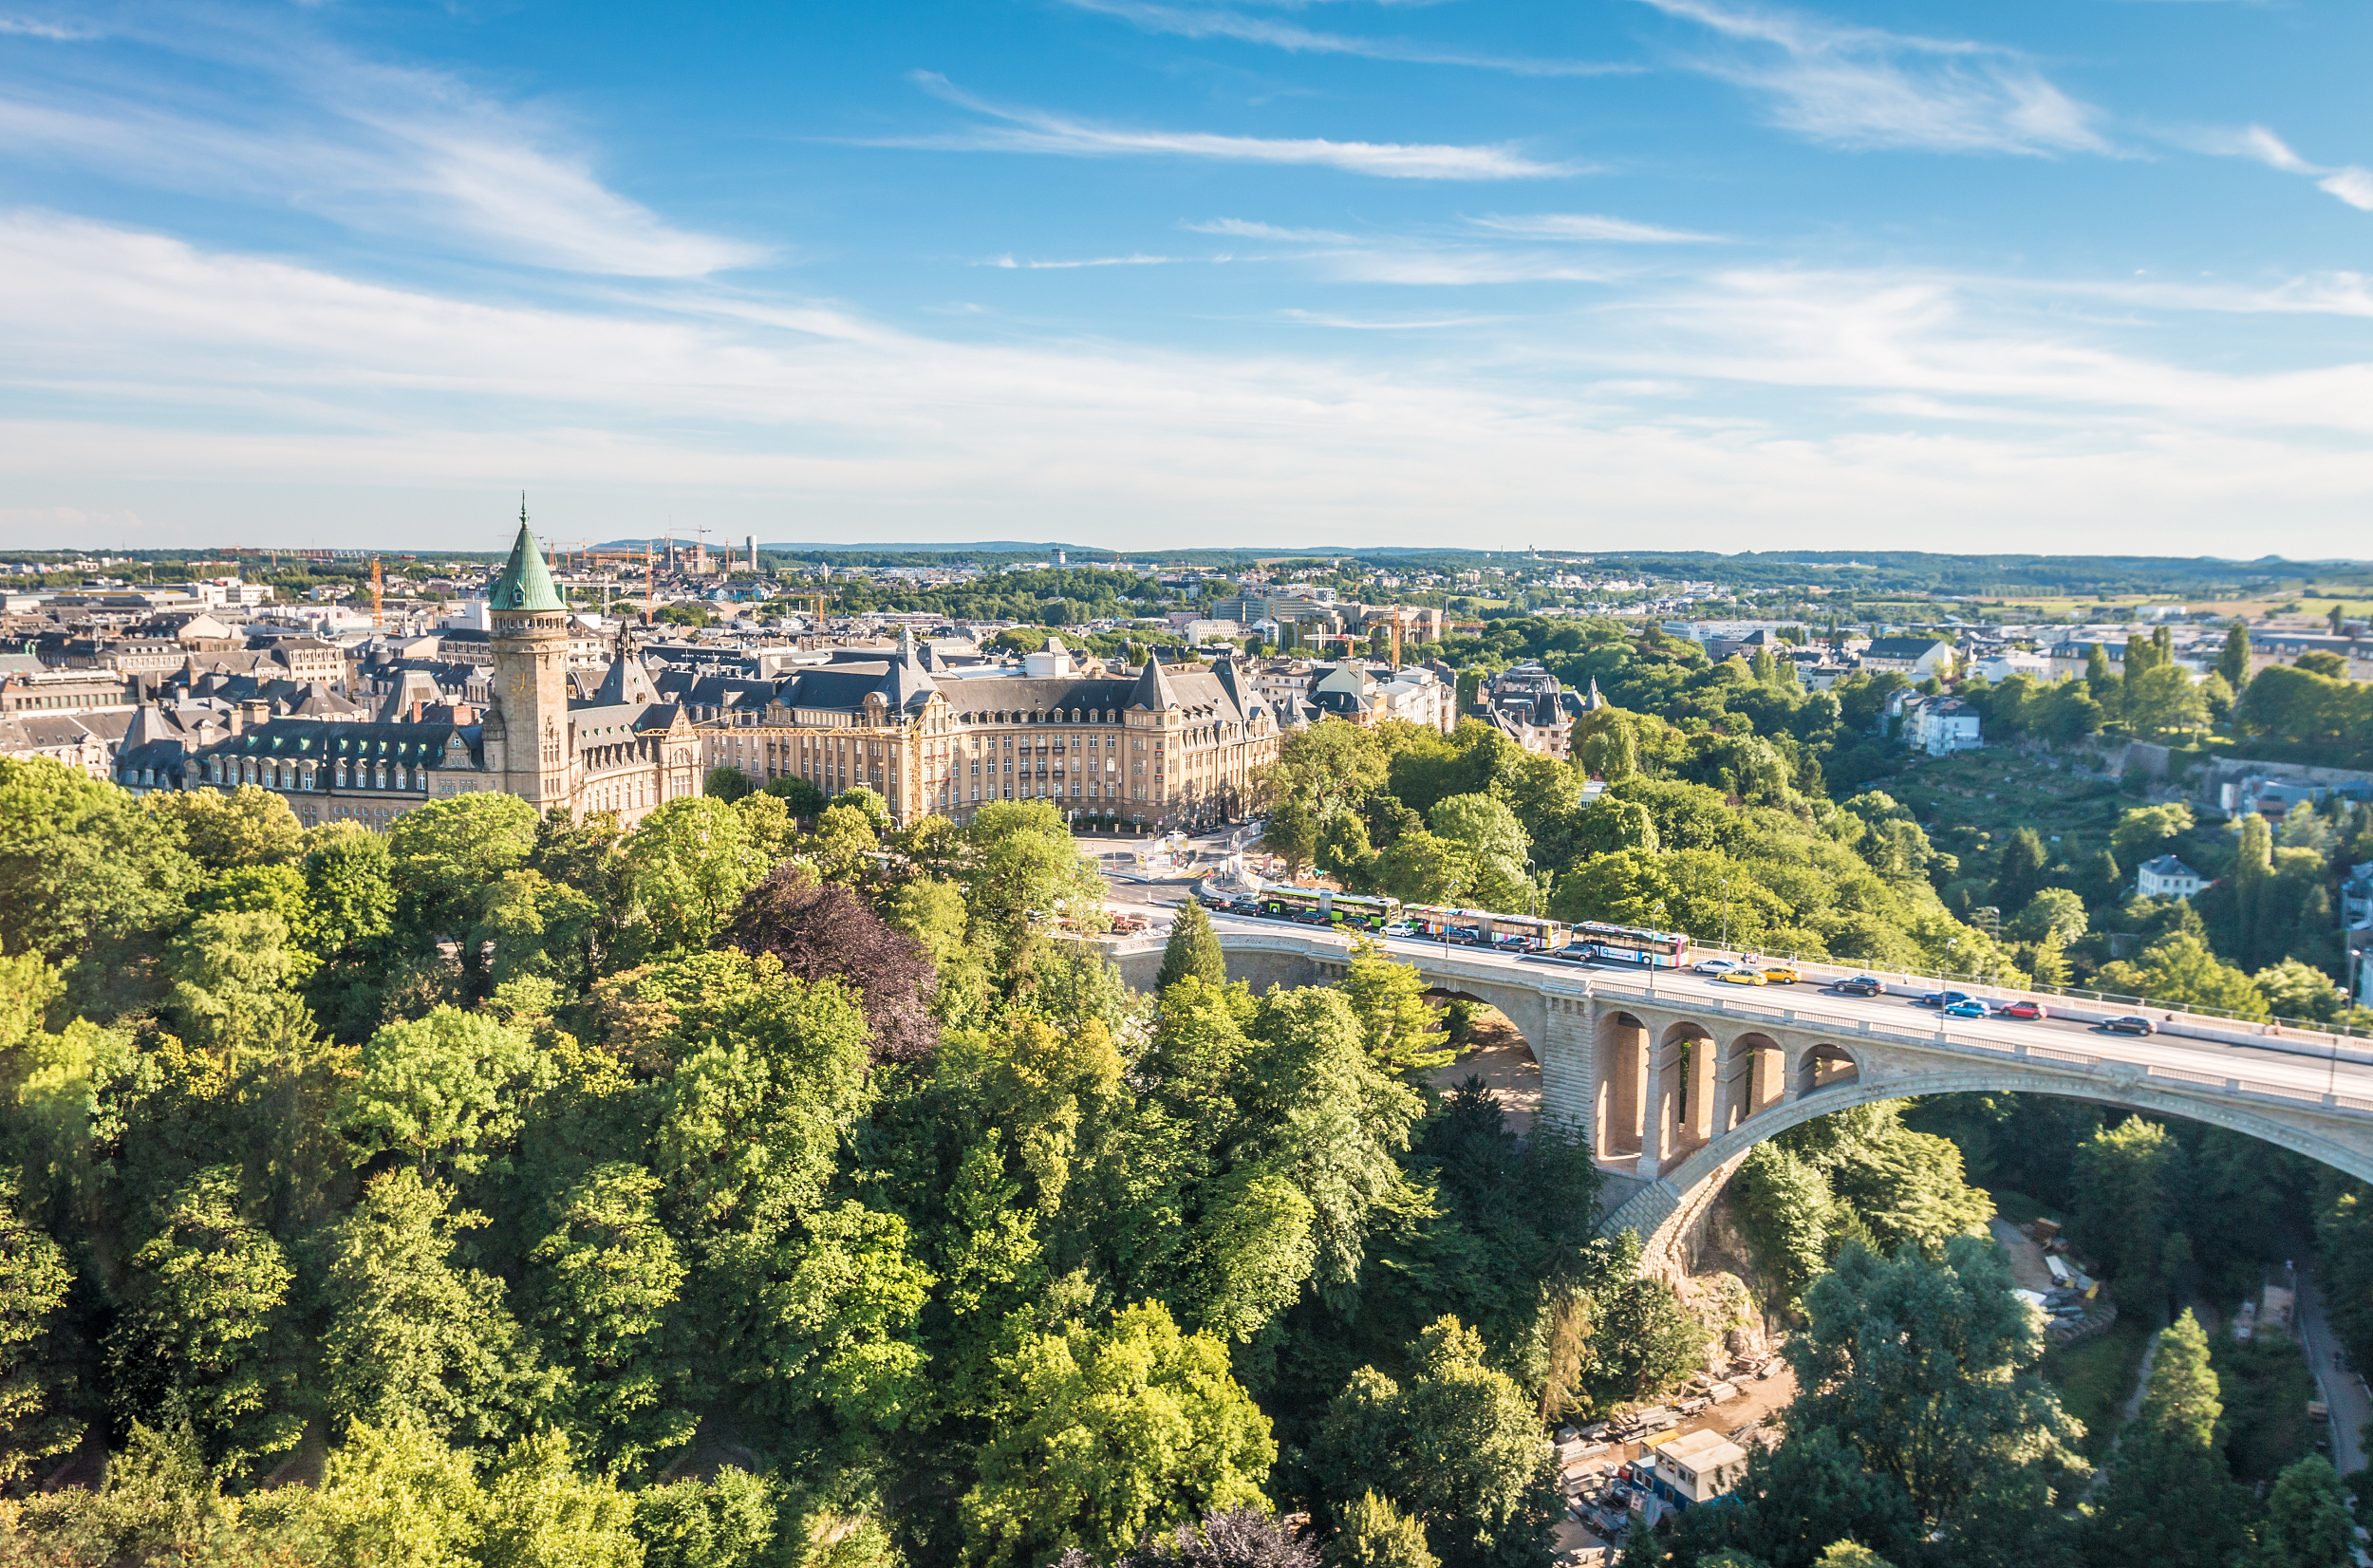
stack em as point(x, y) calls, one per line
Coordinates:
point(2341, 1028)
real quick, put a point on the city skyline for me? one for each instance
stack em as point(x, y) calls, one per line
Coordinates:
point(1650, 273)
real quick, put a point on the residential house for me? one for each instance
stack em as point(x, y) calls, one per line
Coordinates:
point(2167, 877)
point(1916, 658)
point(1940, 725)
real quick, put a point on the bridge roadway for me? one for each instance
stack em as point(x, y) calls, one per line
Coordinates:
point(1674, 1078)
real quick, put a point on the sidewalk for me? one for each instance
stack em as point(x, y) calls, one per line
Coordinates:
point(2344, 1391)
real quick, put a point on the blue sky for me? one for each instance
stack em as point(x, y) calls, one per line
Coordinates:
point(2085, 275)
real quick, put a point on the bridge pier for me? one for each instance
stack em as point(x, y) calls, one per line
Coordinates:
point(1674, 1083)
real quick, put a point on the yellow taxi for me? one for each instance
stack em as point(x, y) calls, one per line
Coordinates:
point(1779, 974)
point(1741, 977)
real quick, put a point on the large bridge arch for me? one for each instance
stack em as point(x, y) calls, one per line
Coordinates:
point(1607, 1039)
point(1663, 1211)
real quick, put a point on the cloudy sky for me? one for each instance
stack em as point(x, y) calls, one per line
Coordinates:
point(2056, 274)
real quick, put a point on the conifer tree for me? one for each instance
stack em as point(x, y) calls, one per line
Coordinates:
point(1194, 949)
point(2252, 888)
point(2232, 660)
point(2170, 1501)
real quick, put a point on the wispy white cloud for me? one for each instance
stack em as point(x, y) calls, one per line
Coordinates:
point(1589, 226)
point(389, 151)
point(33, 27)
point(1035, 131)
point(188, 383)
point(1009, 264)
point(2352, 184)
point(1215, 21)
point(1384, 324)
point(1419, 265)
point(1862, 88)
point(1245, 229)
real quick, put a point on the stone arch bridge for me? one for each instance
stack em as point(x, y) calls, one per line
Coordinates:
point(1674, 1079)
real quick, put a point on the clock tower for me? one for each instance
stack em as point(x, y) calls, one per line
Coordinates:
point(525, 734)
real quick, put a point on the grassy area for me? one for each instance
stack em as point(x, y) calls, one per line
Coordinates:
point(2095, 1378)
point(2265, 1387)
point(1978, 797)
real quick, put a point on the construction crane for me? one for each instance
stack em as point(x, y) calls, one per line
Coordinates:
point(378, 598)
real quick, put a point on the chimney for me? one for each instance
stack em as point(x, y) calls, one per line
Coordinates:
point(416, 705)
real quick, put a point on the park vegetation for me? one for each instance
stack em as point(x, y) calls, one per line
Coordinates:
point(738, 1189)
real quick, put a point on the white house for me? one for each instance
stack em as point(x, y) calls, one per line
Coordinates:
point(2002, 666)
point(2167, 877)
point(1942, 725)
point(1915, 657)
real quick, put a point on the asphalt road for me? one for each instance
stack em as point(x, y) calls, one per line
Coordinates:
point(2304, 1066)
point(2343, 1389)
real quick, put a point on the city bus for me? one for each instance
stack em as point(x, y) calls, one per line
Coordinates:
point(1529, 933)
point(1325, 907)
point(1630, 944)
point(1486, 928)
point(1360, 912)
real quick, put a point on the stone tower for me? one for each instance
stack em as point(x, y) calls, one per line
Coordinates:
point(526, 729)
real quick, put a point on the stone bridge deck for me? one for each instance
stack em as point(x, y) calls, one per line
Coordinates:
point(1674, 1079)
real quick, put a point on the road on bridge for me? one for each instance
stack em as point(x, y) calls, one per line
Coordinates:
point(2302, 1068)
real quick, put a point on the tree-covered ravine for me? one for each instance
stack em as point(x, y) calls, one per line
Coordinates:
point(759, 1188)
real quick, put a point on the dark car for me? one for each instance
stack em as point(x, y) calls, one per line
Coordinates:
point(1945, 998)
point(1860, 985)
point(2025, 1009)
point(2133, 1024)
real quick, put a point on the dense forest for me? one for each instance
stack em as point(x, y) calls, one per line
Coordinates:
point(732, 1191)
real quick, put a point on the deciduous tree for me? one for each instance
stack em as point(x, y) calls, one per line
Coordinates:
point(1109, 1437)
point(1455, 1445)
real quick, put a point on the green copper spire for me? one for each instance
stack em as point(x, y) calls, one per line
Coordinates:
point(526, 582)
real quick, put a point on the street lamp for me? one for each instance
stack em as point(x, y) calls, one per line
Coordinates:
point(1726, 914)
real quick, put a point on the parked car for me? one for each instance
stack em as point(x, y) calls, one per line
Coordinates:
point(1780, 974)
point(1968, 1007)
point(1714, 966)
point(1741, 977)
point(1860, 985)
point(2132, 1024)
point(2024, 1009)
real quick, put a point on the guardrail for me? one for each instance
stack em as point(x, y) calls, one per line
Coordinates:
point(1631, 981)
point(2109, 998)
point(1867, 1028)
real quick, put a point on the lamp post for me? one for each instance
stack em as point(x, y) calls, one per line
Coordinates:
point(1726, 914)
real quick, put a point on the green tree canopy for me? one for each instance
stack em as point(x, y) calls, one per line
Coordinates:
point(1108, 1437)
point(1456, 1446)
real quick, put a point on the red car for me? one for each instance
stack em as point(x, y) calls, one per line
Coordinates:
point(2022, 1010)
